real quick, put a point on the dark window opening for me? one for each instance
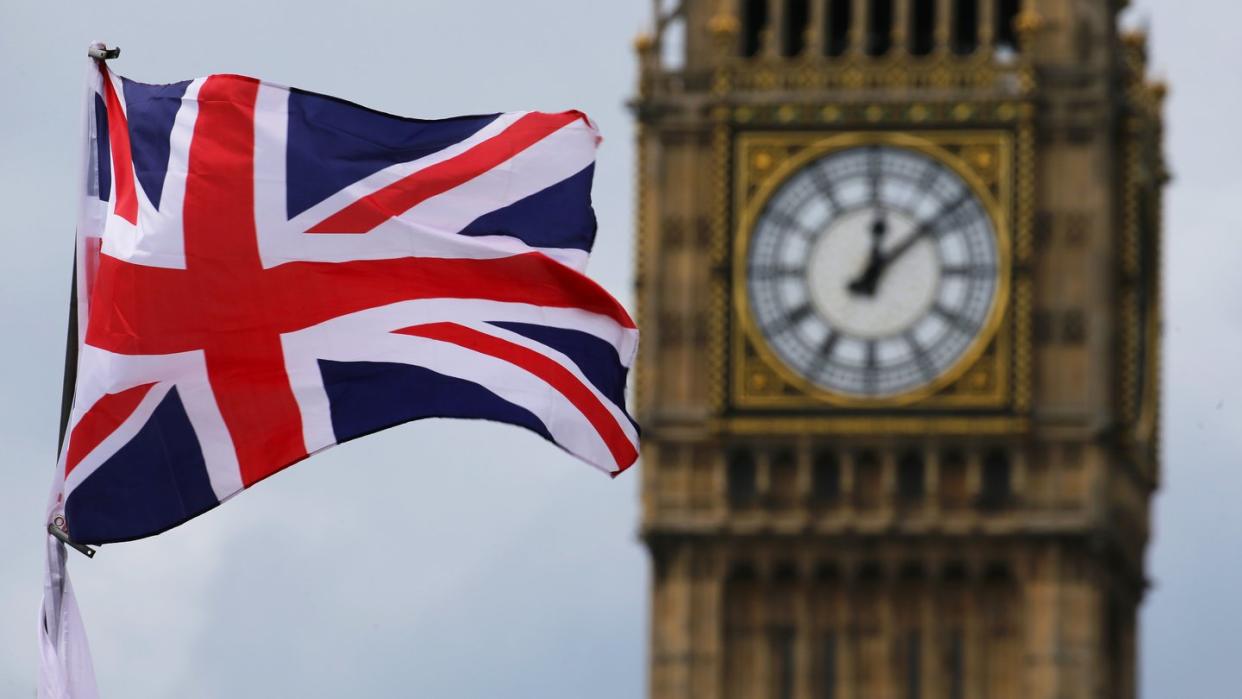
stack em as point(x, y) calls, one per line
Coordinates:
point(867, 479)
point(911, 573)
point(953, 489)
point(879, 27)
point(914, 653)
point(910, 476)
point(1006, 16)
point(955, 660)
point(954, 573)
point(866, 604)
point(742, 477)
point(783, 475)
point(797, 15)
point(996, 572)
point(754, 22)
point(998, 600)
point(923, 27)
point(1074, 330)
point(782, 662)
point(742, 573)
point(826, 477)
point(1043, 326)
point(870, 573)
point(1114, 645)
point(786, 574)
point(996, 479)
point(827, 573)
point(660, 559)
point(828, 666)
point(839, 16)
point(965, 26)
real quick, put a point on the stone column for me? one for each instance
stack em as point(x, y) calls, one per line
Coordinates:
point(901, 27)
point(771, 39)
point(987, 26)
point(816, 41)
point(944, 24)
point(858, 28)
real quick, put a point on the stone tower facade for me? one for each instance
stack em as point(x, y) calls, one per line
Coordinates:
point(899, 286)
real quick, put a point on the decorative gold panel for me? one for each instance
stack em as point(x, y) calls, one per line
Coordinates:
point(985, 377)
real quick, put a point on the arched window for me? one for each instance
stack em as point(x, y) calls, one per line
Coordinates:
point(910, 476)
point(837, 34)
point(754, 22)
point(922, 27)
point(1006, 15)
point(955, 660)
point(998, 604)
point(783, 476)
point(868, 484)
point(912, 662)
point(826, 655)
point(965, 26)
point(825, 477)
point(742, 477)
point(793, 31)
point(953, 487)
point(996, 479)
point(953, 595)
point(879, 27)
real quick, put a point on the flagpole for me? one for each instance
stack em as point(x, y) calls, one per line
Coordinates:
point(71, 358)
point(103, 53)
point(56, 527)
point(68, 383)
point(65, 667)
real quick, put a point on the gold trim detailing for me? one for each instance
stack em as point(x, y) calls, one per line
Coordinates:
point(979, 378)
point(642, 246)
point(717, 311)
point(896, 426)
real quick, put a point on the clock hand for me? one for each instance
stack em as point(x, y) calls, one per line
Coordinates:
point(892, 255)
point(864, 284)
point(923, 230)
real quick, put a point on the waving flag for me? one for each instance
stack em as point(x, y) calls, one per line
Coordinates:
point(265, 272)
point(272, 271)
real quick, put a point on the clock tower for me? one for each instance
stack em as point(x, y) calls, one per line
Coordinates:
point(898, 277)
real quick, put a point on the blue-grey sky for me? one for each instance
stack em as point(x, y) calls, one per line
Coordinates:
point(474, 560)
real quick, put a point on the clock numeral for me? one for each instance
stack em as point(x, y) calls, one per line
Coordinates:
point(920, 356)
point(871, 374)
point(945, 212)
point(927, 178)
point(955, 320)
point(776, 273)
point(826, 349)
point(873, 174)
point(973, 271)
point(922, 185)
point(829, 345)
point(825, 187)
point(790, 320)
point(787, 222)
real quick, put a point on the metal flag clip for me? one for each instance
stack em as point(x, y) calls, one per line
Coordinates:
point(56, 529)
point(103, 53)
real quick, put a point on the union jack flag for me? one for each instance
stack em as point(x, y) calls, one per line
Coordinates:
point(265, 272)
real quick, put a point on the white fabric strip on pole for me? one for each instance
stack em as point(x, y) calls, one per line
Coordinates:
point(66, 671)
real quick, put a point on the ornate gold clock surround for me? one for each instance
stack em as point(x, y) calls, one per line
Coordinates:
point(992, 377)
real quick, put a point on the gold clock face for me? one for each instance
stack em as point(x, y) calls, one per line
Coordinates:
point(872, 271)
